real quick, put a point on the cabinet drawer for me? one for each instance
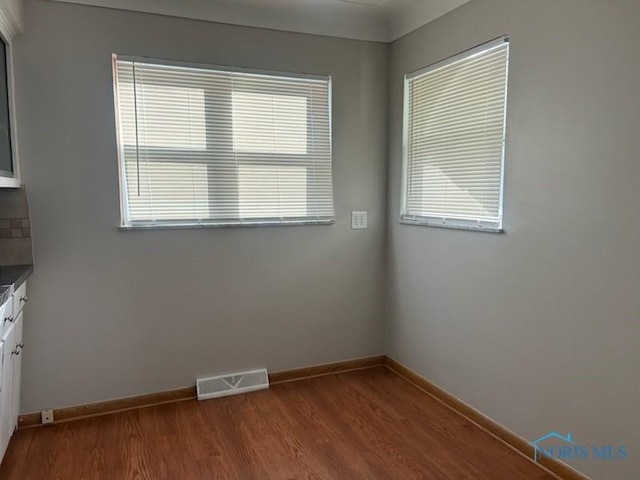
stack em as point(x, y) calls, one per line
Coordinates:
point(6, 316)
point(19, 299)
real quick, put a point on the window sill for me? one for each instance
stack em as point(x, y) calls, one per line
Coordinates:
point(453, 226)
point(198, 226)
point(9, 182)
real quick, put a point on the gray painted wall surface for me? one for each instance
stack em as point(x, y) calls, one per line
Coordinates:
point(15, 9)
point(117, 314)
point(538, 328)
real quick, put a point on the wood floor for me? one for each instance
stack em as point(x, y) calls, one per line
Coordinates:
point(363, 425)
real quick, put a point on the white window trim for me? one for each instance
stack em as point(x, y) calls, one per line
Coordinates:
point(207, 225)
point(449, 221)
point(127, 225)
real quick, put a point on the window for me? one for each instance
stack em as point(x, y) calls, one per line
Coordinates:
point(6, 150)
point(218, 146)
point(454, 138)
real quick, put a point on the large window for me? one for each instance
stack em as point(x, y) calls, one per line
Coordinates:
point(216, 146)
point(454, 138)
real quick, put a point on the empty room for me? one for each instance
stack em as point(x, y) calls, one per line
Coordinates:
point(319, 239)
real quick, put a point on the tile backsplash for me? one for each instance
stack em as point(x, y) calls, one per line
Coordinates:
point(15, 228)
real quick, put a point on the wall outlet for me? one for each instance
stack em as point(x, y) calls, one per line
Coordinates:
point(359, 220)
point(47, 416)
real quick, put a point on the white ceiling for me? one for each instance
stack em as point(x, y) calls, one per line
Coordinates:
point(378, 20)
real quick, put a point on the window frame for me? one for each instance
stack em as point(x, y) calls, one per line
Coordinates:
point(11, 179)
point(127, 224)
point(452, 221)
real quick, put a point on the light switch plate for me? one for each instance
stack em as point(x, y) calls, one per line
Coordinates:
point(359, 220)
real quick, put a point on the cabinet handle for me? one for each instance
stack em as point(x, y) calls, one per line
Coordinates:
point(20, 345)
point(24, 299)
point(15, 352)
point(9, 319)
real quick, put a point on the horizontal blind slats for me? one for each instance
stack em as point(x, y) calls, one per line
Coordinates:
point(200, 145)
point(455, 139)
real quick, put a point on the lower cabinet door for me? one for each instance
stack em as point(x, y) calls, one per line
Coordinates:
point(6, 395)
point(3, 442)
point(16, 371)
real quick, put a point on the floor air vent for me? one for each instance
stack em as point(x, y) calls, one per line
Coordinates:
point(232, 384)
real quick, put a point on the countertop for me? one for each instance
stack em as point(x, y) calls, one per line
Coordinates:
point(15, 275)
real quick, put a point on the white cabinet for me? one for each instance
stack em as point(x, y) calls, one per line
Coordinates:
point(16, 371)
point(19, 299)
point(6, 394)
point(3, 442)
point(11, 351)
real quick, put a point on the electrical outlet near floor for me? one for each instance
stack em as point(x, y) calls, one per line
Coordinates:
point(359, 220)
point(47, 416)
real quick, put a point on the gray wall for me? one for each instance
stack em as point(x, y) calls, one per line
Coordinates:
point(115, 313)
point(15, 7)
point(538, 328)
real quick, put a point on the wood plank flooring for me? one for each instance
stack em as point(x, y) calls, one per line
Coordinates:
point(369, 425)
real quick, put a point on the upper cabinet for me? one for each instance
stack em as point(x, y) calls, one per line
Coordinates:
point(11, 24)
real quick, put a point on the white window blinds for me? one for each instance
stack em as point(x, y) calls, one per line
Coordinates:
point(216, 146)
point(454, 136)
